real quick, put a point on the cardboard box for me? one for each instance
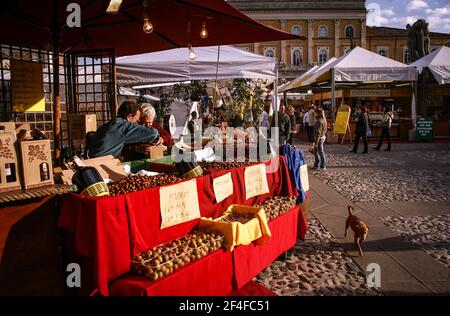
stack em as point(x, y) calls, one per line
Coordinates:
point(81, 124)
point(108, 167)
point(36, 157)
point(156, 151)
point(9, 168)
point(8, 128)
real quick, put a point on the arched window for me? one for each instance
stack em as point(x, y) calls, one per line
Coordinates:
point(323, 31)
point(297, 58)
point(296, 30)
point(323, 56)
point(405, 55)
point(349, 31)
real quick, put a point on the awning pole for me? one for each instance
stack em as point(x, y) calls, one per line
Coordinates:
point(56, 96)
point(275, 105)
point(333, 95)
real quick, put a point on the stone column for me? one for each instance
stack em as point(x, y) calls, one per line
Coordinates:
point(310, 41)
point(336, 37)
point(283, 43)
point(256, 49)
point(363, 33)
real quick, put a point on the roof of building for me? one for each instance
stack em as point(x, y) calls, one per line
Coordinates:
point(382, 31)
point(270, 5)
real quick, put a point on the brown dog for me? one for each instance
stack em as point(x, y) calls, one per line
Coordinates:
point(359, 228)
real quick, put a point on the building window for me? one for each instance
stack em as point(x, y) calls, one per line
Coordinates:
point(382, 50)
point(349, 31)
point(269, 52)
point(347, 49)
point(296, 56)
point(323, 55)
point(405, 55)
point(296, 30)
point(323, 31)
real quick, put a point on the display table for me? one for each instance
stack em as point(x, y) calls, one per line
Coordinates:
point(110, 230)
point(220, 272)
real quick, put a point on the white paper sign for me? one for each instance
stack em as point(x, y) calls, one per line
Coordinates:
point(223, 187)
point(304, 177)
point(179, 203)
point(255, 181)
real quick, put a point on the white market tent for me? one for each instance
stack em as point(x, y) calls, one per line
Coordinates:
point(361, 65)
point(438, 62)
point(297, 81)
point(174, 65)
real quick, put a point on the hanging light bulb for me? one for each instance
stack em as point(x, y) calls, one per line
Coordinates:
point(204, 31)
point(192, 54)
point(148, 26)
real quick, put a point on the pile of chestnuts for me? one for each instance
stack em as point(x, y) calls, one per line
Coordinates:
point(240, 217)
point(163, 260)
point(277, 205)
point(140, 182)
point(225, 165)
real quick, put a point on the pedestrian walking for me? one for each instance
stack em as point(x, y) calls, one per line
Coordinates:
point(362, 127)
point(311, 123)
point(385, 124)
point(320, 132)
point(291, 112)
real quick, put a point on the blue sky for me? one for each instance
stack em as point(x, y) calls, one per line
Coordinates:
point(398, 13)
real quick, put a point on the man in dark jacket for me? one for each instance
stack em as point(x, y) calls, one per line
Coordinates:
point(111, 137)
point(284, 125)
point(362, 126)
point(386, 128)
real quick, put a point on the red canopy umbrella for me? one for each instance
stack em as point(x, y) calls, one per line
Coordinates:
point(176, 23)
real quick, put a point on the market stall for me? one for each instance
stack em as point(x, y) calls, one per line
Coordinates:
point(364, 76)
point(108, 232)
point(434, 89)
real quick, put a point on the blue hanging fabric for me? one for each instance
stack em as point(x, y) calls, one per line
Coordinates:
point(295, 159)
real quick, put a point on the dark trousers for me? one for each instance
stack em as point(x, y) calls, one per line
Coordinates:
point(311, 134)
point(358, 136)
point(385, 132)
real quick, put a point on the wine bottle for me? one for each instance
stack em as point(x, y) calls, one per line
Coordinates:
point(10, 172)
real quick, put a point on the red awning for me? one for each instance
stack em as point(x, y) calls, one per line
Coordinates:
point(30, 23)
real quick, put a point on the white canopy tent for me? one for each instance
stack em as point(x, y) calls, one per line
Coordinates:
point(361, 65)
point(438, 62)
point(297, 81)
point(221, 62)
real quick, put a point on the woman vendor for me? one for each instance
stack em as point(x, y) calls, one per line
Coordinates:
point(148, 115)
point(111, 137)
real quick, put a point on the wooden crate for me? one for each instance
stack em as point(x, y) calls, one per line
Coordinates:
point(81, 124)
point(36, 158)
point(9, 168)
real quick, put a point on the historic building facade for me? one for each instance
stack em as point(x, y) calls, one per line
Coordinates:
point(330, 29)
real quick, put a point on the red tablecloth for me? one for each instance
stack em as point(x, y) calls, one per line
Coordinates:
point(111, 230)
point(249, 261)
point(215, 274)
point(209, 276)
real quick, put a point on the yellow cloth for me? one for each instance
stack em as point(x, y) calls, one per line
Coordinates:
point(236, 233)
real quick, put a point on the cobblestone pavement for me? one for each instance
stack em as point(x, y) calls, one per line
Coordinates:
point(430, 233)
point(375, 185)
point(318, 266)
point(347, 160)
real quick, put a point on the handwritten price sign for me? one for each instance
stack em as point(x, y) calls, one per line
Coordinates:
point(255, 181)
point(179, 203)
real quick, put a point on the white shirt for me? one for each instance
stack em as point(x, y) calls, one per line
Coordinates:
point(265, 119)
point(306, 118)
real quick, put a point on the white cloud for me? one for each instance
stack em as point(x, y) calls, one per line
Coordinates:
point(438, 17)
point(415, 5)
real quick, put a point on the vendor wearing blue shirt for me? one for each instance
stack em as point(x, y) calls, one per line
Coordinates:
point(111, 137)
